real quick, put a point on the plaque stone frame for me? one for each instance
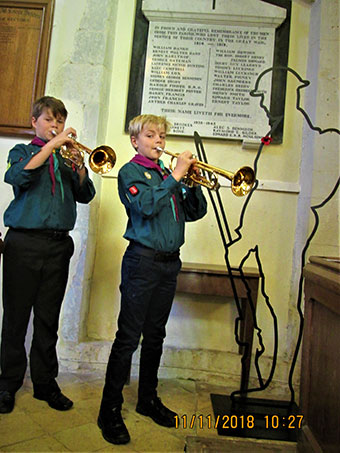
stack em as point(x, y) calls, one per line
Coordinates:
point(25, 33)
point(139, 52)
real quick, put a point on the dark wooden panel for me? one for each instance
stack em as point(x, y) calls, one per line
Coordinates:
point(25, 30)
point(197, 278)
point(320, 367)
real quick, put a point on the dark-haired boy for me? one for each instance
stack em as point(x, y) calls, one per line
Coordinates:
point(37, 252)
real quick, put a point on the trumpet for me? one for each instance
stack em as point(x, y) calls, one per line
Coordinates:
point(101, 160)
point(242, 180)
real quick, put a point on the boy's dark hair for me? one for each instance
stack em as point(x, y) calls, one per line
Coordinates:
point(56, 106)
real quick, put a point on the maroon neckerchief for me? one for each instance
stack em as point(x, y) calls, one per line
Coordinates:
point(39, 142)
point(145, 162)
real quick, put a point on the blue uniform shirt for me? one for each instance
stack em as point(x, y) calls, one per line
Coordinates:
point(34, 205)
point(157, 208)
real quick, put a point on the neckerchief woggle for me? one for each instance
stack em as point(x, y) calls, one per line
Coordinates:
point(53, 169)
point(145, 162)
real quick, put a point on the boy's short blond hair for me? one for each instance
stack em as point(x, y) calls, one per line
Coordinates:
point(137, 123)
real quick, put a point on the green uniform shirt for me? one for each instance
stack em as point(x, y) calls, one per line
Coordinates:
point(34, 205)
point(157, 208)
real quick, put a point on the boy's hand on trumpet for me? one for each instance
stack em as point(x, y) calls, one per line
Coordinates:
point(185, 160)
point(67, 139)
point(77, 157)
point(64, 138)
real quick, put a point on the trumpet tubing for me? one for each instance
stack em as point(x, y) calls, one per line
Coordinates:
point(242, 180)
point(101, 160)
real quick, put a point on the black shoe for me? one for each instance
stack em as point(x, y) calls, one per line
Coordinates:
point(6, 402)
point(158, 412)
point(56, 400)
point(113, 427)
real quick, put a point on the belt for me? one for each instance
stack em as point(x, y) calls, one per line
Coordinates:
point(157, 255)
point(51, 234)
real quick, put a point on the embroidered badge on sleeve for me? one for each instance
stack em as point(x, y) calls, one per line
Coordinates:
point(133, 190)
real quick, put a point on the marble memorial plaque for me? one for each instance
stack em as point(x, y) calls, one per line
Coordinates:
point(199, 76)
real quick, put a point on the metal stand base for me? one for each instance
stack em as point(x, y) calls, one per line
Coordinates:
point(256, 418)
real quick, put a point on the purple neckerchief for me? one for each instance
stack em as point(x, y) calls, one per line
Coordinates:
point(145, 162)
point(39, 142)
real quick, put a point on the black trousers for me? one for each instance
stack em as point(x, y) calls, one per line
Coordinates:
point(147, 290)
point(35, 272)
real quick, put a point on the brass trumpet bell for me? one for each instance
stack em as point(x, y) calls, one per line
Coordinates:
point(101, 160)
point(242, 180)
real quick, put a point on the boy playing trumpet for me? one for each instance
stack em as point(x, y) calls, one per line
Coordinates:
point(37, 252)
point(157, 205)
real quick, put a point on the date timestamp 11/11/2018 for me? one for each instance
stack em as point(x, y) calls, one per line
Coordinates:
point(238, 421)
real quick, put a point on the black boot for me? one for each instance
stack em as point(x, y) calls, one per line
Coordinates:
point(7, 400)
point(113, 428)
point(158, 412)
